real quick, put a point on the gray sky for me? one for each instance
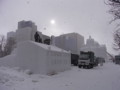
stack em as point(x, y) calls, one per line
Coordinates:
point(86, 17)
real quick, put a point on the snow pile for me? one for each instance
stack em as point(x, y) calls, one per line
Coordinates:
point(39, 58)
point(99, 78)
point(8, 61)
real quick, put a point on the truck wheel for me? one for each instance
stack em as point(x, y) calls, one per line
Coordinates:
point(79, 66)
point(84, 66)
point(91, 66)
point(88, 67)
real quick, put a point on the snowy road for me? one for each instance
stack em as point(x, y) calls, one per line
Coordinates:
point(106, 77)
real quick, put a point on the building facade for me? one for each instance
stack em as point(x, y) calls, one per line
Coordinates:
point(11, 34)
point(71, 42)
point(92, 45)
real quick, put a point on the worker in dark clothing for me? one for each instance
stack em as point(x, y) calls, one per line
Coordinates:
point(40, 40)
point(37, 38)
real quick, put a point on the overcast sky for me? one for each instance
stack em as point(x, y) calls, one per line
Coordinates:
point(86, 17)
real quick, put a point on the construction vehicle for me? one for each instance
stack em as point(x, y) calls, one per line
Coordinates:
point(87, 60)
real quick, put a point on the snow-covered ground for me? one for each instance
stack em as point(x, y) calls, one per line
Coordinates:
point(106, 77)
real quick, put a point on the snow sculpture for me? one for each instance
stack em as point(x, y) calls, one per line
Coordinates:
point(41, 58)
point(38, 57)
point(26, 31)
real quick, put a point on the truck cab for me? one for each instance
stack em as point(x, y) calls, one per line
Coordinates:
point(86, 59)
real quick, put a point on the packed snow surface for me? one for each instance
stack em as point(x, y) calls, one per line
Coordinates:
point(106, 77)
point(53, 48)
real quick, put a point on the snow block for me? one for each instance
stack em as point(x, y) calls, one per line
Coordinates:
point(41, 58)
point(25, 34)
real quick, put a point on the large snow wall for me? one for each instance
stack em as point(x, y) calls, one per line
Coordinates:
point(41, 58)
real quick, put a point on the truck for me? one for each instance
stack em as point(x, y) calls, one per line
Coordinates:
point(87, 60)
point(117, 59)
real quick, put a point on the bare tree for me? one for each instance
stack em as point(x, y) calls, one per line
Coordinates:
point(6, 46)
point(9, 46)
point(2, 44)
point(117, 40)
point(115, 9)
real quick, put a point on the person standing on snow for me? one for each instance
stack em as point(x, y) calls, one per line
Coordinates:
point(37, 38)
